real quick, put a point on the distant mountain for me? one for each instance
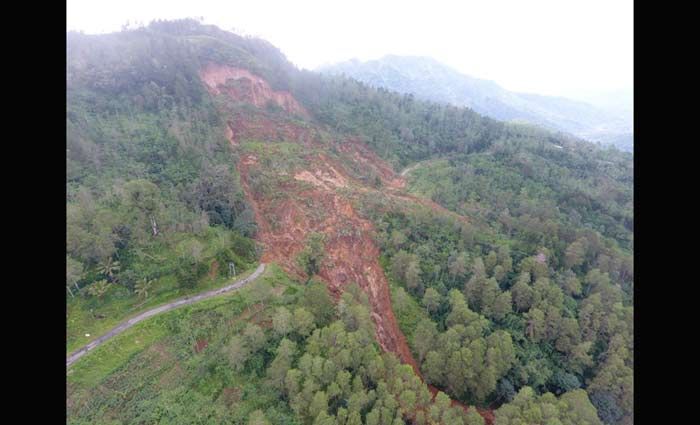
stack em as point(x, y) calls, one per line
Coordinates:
point(617, 102)
point(429, 79)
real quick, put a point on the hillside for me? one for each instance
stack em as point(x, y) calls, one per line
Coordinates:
point(493, 276)
point(428, 79)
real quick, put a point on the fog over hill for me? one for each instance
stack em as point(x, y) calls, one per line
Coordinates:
point(608, 122)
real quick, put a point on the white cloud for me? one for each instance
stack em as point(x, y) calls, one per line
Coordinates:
point(556, 47)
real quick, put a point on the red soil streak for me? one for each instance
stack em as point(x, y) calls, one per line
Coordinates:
point(200, 345)
point(229, 134)
point(231, 395)
point(427, 203)
point(351, 254)
point(247, 87)
point(260, 127)
point(360, 153)
point(213, 269)
point(315, 198)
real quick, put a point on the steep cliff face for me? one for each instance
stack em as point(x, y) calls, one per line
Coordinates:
point(243, 86)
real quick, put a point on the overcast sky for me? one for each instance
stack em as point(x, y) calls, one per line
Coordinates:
point(554, 47)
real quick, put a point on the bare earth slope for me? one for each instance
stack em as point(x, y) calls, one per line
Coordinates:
point(300, 179)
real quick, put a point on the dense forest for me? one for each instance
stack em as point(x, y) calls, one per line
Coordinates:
point(516, 298)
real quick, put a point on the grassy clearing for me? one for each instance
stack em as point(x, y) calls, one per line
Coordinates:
point(93, 316)
point(153, 373)
point(119, 305)
point(142, 334)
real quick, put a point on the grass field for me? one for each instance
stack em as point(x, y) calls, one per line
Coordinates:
point(89, 317)
point(172, 369)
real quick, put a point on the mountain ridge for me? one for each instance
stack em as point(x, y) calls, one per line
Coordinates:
point(429, 79)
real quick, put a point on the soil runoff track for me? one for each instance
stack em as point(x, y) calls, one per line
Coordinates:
point(157, 310)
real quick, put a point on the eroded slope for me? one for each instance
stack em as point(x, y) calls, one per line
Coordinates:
point(300, 179)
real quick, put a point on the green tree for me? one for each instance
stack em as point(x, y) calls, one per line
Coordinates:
point(74, 272)
point(108, 268)
point(432, 300)
point(502, 306)
point(311, 257)
point(143, 196)
point(282, 321)
point(277, 372)
point(579, 357)
point(504, 259)
point(490, 261)
point(141, 289)
point(99, 288)
point(257, 417)
point(254, 337)
point(473, 417)
point(434, 368)
point(571, 284)
point(405, 269)
point(319, 404)
point(536, 325)
point(579, 409)
point(412, 277)
point(575, 253)
point(317, 301)
point(237, 352)
point(568, 335)
point(457, 265)
point(522, 293)
point(424, 338)
point(303, 322)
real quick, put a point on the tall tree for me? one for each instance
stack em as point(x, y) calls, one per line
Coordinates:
point(74, 272)
point(142, 195)
point(311, 257)
point(432, 300)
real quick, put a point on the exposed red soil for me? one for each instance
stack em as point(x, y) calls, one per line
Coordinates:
point(242, 127)
point(351, 254)
point(243, 86)
point(200, 345)
point(427, 203)
point(362, 154)
point(316, 198)
point(231, 395)
point(213, 269)
point(229, 135)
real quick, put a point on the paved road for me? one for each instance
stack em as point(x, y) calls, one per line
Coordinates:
point(166, 307)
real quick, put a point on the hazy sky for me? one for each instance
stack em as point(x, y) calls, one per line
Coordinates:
point(554, 47)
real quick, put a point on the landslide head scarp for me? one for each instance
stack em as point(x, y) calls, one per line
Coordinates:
point(243, 86)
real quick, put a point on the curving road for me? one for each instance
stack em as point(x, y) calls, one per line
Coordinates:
point(166, 307)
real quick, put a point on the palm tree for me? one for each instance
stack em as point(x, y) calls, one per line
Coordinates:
point(99, 288)
point(108, 268)
point(142, 288)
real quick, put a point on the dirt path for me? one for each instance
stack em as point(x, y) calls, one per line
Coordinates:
point(407, 169)
point(157, 310)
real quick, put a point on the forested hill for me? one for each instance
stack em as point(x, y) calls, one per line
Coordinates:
point(428, 79)
point(498, 269)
